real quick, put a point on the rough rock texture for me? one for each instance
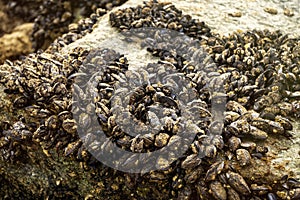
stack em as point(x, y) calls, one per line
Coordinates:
point(244, 15)
point(16, 43)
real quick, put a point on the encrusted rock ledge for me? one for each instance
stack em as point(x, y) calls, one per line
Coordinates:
point(257, 156)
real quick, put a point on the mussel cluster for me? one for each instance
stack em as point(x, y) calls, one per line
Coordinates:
point(24, 9)
point(256, 74)
point(160, 15)
point(261, 75)
point(14, 13)
point(39, 84)
point(54, 18)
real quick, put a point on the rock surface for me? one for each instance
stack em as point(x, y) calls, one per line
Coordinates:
point(48, 174)
point(16, 43)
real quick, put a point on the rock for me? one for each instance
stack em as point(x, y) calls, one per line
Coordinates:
point(16, 43)
point(54, 165)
